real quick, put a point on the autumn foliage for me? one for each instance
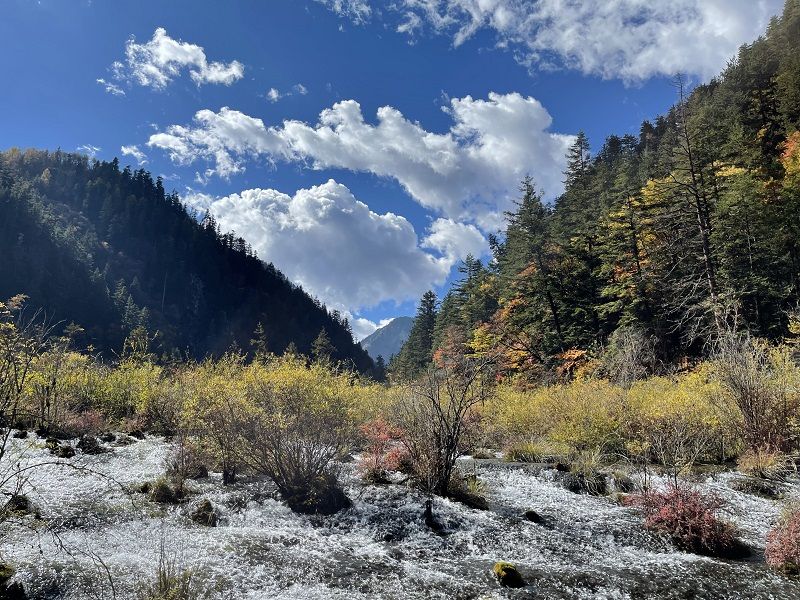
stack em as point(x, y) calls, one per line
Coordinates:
point(690, 519)
point(783, 544)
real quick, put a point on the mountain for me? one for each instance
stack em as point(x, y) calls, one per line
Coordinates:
point(109, 250)
point(388, 340)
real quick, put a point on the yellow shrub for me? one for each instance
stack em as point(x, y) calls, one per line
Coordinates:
point(581, 415)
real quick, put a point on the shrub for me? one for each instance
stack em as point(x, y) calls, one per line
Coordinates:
point(763, 383)
point(674, 422)
point(171, 582)
point(764, 464)
point(187, 460)
point(783, 544)
point(629, 356)
point(436, 413)
point(216, 409)
point(622, 482)
point(297, 429)
point(536, 452)
point(689, 518)
point(381, 440)
point(87, 423)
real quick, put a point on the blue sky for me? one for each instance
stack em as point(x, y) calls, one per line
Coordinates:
point(433, 111)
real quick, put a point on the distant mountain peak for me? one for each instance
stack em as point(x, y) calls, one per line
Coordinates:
point(387, 340)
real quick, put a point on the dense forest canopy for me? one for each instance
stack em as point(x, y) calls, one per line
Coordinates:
point(113, 252)
point(671, 237)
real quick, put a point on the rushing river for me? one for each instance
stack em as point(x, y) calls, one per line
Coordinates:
point(586, 547)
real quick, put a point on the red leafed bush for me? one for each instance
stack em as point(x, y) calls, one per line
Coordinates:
point(383, 451)
point(783, 544)
point(689, 517)
point(90, 422)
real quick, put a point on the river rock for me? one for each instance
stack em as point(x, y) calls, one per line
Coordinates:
point(758, 487)
point(59, 450)
point(532, 516)
point(88, 444)
point(162, 493)
point(507, 575)
point(323, 497)
point(10, 591)
point(204, 514)
point(19, 503)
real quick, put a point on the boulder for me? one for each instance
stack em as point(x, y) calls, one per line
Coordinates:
point(162, 493)
point(88, 444)
point(580, 483)
point(321, 497)
point(10, 591)
point(204, 514)
point(58, 449)
point(137, 433)
point(107, 437)
point(21, 434)
point(532, 516)
point(19, 503)
point(507, 575)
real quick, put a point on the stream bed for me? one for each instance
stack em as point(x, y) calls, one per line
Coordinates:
point(103, 541)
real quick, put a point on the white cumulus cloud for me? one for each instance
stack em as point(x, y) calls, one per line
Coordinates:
point(627, 39)
point(339, 250)
point(157, 62)
point(470, 172)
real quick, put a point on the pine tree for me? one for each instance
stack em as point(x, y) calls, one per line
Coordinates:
point(258, 343)
point(322, 348)
point(417, 353)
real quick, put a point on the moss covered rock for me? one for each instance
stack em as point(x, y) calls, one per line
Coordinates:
point(19, 503)
point(757, 487)
point(58, 449)
point(323, 497)
point(508, 575)
point(161, 492)
point(204, 514)
point(585, 483)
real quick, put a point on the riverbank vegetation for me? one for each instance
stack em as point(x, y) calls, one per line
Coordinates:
point(640, 331)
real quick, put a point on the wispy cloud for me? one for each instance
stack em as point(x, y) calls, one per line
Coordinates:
point(88, 149)
point(111, 88)
point(134, 152)
point(274, 94)
point(626, 39)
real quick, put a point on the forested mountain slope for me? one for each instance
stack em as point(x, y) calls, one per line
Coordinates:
point(660, 241)
point(110, 250)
